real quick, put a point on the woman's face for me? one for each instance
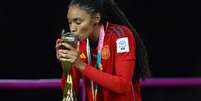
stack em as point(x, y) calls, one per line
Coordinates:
point(81, 23)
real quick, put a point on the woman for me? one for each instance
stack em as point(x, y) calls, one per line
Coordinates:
point(110, 57)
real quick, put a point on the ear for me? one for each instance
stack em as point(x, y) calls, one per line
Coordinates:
point(97, 18)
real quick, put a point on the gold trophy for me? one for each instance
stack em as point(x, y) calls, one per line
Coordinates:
point(68, 93)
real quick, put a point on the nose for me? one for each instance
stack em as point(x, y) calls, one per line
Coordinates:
point(73, 28)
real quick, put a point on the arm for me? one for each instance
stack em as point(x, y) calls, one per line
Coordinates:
point(124, 67)
point(118, 83)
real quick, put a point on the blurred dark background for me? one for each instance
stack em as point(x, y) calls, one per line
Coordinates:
point(170, 30)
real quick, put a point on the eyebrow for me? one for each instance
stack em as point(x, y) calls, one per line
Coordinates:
point(75, 18)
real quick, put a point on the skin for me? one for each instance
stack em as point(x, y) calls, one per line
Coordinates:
point(83, 24)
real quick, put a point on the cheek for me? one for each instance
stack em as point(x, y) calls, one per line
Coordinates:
point(86, 29)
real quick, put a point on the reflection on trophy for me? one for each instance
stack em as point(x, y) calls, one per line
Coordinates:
point(68, 94)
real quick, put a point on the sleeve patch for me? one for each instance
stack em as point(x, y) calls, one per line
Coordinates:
point(122, 45)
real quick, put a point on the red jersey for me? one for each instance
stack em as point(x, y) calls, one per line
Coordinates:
point(118, 62)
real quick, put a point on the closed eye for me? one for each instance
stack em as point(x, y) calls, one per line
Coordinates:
point(78, 21)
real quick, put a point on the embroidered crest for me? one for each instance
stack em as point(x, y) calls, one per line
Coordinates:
point(105, 52)
point(122, 45)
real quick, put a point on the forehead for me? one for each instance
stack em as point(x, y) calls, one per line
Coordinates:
point(75, 11)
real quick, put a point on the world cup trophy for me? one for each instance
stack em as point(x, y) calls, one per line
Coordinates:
point(68, 93)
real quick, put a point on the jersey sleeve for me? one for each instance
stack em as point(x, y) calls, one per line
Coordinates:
point(124, 65)
point(124, 45)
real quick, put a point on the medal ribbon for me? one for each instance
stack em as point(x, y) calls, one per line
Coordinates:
point(98, 61)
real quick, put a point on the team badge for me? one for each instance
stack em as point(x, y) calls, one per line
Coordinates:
point(122, 45)
point(105, 52)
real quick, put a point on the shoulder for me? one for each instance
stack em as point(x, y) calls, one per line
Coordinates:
point(119, 31)
point(123, 41)
point(121, 36)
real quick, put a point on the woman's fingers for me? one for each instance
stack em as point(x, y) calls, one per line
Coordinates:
point(67, 55)
point(67, 52)
point(68, 46)
point(58, 43)
point(64, 55)
point(71, 60)
point(66, 60)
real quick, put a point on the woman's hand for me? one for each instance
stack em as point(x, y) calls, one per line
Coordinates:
point(58, 47)
point(69, 54)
